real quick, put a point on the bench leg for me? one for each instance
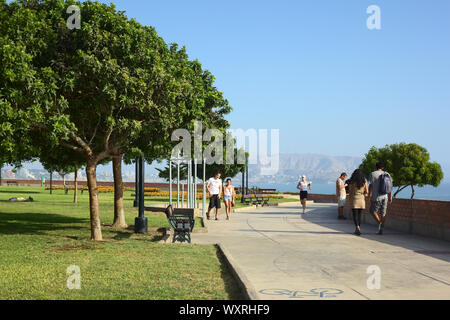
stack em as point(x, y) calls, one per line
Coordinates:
point(175, 235)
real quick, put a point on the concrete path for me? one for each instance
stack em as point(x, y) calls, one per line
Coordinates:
point(285, 255)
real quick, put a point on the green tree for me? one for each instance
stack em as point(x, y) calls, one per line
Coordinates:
point(64, 161)
point(103, 90)
point(408, 164)
point(20, 85)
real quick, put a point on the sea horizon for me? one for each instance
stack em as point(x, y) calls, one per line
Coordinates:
point(441, 193)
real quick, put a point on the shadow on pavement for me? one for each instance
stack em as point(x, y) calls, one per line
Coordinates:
point(327, 218)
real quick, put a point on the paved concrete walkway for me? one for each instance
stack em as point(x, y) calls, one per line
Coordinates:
point(285, 255)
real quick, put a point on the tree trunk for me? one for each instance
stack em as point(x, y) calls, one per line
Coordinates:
point(96, 228)
point(75, 195)
point(399, 190)
point(119, 214)
point(413, 192)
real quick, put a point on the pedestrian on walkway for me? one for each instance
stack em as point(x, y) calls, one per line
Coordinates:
point(341, 194)
point(380, 193)
point(358, 192)
point(214, 187)
point(229, 197)
point(303, 186)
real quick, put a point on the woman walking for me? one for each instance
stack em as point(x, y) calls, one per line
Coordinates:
point(303, 186)
point(229, 197)
point(358, 191)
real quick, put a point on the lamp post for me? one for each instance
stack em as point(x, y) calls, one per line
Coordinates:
point(178, 183)
point(204, 188)
point(170, 182)
point(246, 175)
point(141, 222)
point(51, 181)
point(243, 186)
point(136, 184)
point(195, 183)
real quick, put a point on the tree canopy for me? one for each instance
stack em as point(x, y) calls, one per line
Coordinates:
point(111, 87)
point(408, 164)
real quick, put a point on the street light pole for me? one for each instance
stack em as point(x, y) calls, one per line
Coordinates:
point(195, 183)
point(51, 182)
point(141, 222)
point(243, 186)
point(178, 183)
point(170, 182)
point(136, 184)
point(204, 189)
point(246, 174)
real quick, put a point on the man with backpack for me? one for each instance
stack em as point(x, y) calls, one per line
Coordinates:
point(380, 193)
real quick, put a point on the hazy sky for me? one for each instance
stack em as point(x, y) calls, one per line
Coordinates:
point(315, 71)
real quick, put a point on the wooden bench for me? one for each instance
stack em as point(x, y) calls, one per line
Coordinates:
point(256, 199)
point(181, 223)
point(262, 200)
point(12, 183)
point(248, 199)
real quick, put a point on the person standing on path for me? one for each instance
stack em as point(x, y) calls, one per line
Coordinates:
point(214, 187)
point(303, 186)
point(228, 197)
point(358, 191)
point(341, 194)
point(380, 179)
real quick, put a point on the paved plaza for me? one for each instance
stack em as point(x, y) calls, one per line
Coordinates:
point(281, 254)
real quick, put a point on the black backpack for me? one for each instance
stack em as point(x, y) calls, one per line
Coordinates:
point(385, 184)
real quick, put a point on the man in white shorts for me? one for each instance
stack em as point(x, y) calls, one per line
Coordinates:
point(214, 187)
point(341, 194)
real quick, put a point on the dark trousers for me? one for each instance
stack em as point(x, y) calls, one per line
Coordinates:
point(357, 217)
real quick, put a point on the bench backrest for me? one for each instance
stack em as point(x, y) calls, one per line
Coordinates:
point(182, 221)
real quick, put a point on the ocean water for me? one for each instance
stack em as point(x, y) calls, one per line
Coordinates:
point(430, 193)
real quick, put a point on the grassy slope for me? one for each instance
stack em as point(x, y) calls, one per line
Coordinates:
point(39, 240)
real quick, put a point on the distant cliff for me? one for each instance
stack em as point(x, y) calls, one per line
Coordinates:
point(318, 168)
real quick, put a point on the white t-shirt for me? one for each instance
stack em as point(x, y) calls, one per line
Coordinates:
point(214, 185)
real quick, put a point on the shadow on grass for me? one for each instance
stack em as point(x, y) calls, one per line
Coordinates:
point(37, 223)
point(232, 287)
point(128, 233)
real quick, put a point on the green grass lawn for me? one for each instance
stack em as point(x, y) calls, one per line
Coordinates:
point(39, 240)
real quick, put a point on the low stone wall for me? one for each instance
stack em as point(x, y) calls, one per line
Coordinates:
point(423, 217)
point(322, 198)
point(15, 182)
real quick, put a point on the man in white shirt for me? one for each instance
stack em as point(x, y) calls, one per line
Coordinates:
point(214, 187)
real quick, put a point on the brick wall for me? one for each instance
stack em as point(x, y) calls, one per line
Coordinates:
point(418, 211)
point(322, 198)
point(424, 217)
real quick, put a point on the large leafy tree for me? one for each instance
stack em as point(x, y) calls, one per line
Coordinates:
point(408, 164)
point(20, 85)
point(111, 87)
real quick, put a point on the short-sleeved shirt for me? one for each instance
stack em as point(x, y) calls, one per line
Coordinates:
point(375, 182)
point(340, 189)
point(214, 185)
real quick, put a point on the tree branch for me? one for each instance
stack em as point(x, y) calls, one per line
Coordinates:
point(399, 190)
point(72, 147)
point(107, 137)
point(82, 143)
